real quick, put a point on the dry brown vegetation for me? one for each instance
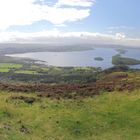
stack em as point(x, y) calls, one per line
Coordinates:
point(119, 81)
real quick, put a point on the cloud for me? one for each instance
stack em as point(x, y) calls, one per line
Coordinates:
point(56, 37)
point(120, 28)
point(26, 12)
point(82, 3)
point(120, 36)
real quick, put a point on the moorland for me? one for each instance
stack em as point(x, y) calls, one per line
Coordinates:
point(43, 102)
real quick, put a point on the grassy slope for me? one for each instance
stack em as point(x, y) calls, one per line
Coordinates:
point(111, 116)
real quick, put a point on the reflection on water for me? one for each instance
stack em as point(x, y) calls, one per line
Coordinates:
point(84, 58)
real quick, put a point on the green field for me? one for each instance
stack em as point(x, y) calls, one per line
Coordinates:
point(4, 70)
point(26, 72)
point(10, 66)
point(6, 67)
point(110, 116)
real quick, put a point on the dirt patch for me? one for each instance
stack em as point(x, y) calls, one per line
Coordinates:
point(7, 126)
point(29, 100)
point(24, 130)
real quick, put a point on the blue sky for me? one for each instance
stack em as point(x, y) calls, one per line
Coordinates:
point(104, 14)
point(117, 19)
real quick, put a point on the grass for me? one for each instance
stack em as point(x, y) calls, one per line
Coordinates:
point(6, 67)
point(35, 66)
point(26, 72)
point(83, 68)
point(4, 70)
point(111, 116)
point(45, 69)
point(10, 66)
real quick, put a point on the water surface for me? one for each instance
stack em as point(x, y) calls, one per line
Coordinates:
point(81, 58)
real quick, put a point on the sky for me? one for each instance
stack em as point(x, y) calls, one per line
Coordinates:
point(70, 21)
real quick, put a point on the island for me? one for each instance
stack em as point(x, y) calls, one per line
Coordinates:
point(121, 51)
point(98, 59)
point(119, 60)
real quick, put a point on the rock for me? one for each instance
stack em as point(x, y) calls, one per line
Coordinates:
point(24, 130)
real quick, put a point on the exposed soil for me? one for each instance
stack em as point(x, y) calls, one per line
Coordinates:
point(24, 129)
point(29, 100)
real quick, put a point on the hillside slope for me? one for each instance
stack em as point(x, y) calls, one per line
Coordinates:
point(107, 109)
point(110, 116)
